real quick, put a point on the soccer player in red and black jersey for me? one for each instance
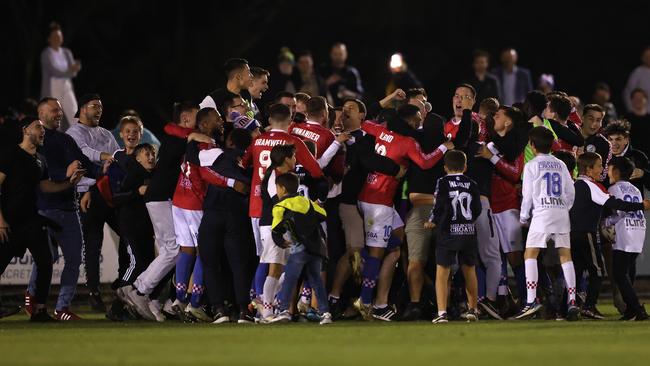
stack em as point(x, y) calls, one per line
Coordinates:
point(376, 202)
point(258, 155)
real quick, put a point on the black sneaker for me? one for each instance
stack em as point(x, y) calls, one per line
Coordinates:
point(573, 312)
point(641, 314)
point(246, 317)
point(41, 316)
point(386, 313)
point(412, 312)
point(96, 303)
point(489, 308)
point(528, 311)
point(441, 319)
point(628, 315)
point(336, 308)
point(592, 313)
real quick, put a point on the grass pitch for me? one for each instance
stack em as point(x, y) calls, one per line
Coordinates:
point(96, 341)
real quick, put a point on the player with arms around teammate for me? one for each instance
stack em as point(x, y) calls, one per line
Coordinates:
point(457, 206)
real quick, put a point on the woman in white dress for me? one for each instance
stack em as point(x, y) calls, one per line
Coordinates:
point(58, 67)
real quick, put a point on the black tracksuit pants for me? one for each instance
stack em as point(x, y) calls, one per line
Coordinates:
point(587, 254)
point(33, 236)
point(623, 263)
point(226, 237)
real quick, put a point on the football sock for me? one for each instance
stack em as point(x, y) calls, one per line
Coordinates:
point(570, 279)
point(531, 280)
point(260, 277)
point(184, 265)
point(270, 285)
point(197, 286)
point(370, 274)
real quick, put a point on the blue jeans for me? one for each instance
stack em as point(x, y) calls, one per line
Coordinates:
point(70, 240)
point(299, 259)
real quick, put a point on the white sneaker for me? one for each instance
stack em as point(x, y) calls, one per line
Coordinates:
point(198, 313)
point(167, 308)
point(122, 294)
point(141, 304)
point(283, 317)
point(154, 307)
point(178, 306)
point(326, 318)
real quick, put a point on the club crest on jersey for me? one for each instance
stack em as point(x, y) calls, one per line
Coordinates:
point(591, 148)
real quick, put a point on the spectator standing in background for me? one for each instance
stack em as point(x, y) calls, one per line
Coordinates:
point(58, 67)
point(486, 84)
point(602, 96)
point(639, 119)
point(343, 80)
point(514, 81)
point(639, 78)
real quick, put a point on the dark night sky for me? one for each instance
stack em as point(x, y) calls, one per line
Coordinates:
point(147, 54)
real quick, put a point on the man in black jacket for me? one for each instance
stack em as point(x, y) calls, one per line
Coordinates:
point(360, 160)
point(225, 238)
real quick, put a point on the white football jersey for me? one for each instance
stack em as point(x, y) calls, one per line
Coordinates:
point(630, 226)
point(548, 194)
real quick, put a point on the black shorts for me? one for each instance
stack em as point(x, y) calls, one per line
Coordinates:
point(463, 251)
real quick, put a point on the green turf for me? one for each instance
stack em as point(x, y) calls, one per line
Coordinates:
point(95, 341)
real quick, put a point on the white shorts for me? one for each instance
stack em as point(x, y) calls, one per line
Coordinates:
point(186, 226)
point(509, 230)
point(379, 222)
point(255, 223)
point(271, 253)
point(539, 240)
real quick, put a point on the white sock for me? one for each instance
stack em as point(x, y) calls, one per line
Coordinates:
point(379, 306)
point(441, 312)
point(531, 280)
point(570, 279)
point(270, 285)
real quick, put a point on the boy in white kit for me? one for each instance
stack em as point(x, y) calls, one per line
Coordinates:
point(630, 235)
point(548, 194)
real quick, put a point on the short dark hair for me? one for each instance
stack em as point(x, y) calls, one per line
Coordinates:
point(480, 53)
point(414, 92)
point(279, 112)
point(515, 114)
point(587, 160)
point(541, 138)
point(203, 113)
point(624, 166)
point(44, 101)
point(359, 103)
point(143, 147)
point(288, 181)
point(638, 90)
point(455, 160)
point(468, 86)
point(316, 106)
point(407, 111)
point(228, 101)
point(593, 107)
point(602, 86)
point(618, 127)
point(283, 94)
point(53, 27)
point(560, 105)
point(259, 72)
point(233, 65)
point(567, 158)
point(241, 138)
point(180, 107)
point(302, 97)
point(535, 103)
point(281, 152)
